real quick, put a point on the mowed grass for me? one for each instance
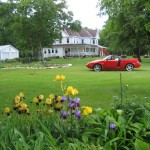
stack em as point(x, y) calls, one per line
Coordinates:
point(96, 89)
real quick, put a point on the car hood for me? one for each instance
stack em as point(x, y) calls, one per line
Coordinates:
point(95, 61)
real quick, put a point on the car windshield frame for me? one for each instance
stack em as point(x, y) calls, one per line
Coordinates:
point(107, 58)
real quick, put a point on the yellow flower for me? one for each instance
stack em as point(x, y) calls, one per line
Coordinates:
point(35, 100)
point(16, 101)
point(21, 95)
point(41, 97)
point(48, 101)
point(86, 110)
point(23, 106)
point(60, 78)
point(58, 105)
point(52, 96)
point(7, 110)
point(16, 105)
point(69, 89)
point(17, 98)
point(27, 111)
point(59, 98)
point(74, 92)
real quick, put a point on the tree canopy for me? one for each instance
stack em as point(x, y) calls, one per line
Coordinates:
point(128, 25)
point(34, 24)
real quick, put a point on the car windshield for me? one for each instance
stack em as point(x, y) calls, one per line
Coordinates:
point(107, 58)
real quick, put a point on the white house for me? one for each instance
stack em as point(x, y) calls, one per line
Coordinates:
point(72, 44)
point(8, 52)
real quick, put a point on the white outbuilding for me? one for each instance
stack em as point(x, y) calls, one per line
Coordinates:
point(8, 52)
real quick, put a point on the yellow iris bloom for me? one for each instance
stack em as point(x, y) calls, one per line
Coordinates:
point(35, 100)
point(74, 92)
point(41, 97)
point(21, 95)
point(58, 105)
point(17, 98)
point(52, 96)
point(60, 78)
point(23, 106)
point(86, 110)
point(48, 101)
point(7, 110)
point(59, 98)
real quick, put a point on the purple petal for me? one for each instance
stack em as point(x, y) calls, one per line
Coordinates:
point(64, 115)
point(78, 114)
point(77, 100)
point(112, 126)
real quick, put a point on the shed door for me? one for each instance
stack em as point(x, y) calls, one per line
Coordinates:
point(13, 55)
point(5, 55)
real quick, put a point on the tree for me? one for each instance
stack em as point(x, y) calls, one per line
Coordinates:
point(35, 24)
point(126, 26)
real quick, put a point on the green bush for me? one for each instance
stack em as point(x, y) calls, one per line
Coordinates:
point(134, 56)
point(123, 56)
point(146, 56)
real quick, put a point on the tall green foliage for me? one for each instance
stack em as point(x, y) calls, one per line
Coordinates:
point(128, 25)
point(33, 24)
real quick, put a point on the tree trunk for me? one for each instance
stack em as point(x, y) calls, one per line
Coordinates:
point(137, 52)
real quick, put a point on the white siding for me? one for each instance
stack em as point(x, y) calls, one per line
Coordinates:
point(8, 52)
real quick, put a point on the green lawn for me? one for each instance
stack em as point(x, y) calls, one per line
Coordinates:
point(96, 89)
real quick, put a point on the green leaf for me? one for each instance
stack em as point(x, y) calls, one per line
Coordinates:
point(140, 145)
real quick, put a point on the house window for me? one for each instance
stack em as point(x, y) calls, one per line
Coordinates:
point(49, 51)
point(52, 51)
point(93, 41)
point(67, 40)
point(87, 49)
point(45, 52)
point(82, 41)
point(56, 51)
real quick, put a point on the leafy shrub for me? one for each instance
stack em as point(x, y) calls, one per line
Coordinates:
point(146, 56)
point(134, 56)
point(123, 56)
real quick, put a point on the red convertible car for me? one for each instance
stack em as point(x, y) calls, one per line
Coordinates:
point(114, 63)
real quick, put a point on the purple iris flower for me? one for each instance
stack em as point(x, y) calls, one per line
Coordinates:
point(69, 98)
point(78, 114)
point(112, 126)
point(64, 98)
point(71, 104)
point(77, 100)
point(64, 115)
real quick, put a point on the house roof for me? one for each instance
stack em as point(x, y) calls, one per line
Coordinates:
point(92, 32)
point(82, 33)
point(3, 47)
point(71, 33)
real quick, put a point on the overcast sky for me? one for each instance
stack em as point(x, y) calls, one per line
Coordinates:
point(86, 12)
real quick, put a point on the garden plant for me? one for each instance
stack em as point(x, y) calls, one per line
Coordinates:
point(60, 122)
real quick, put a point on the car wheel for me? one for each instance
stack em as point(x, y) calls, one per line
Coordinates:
point(97, 68)
point(129, 67)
